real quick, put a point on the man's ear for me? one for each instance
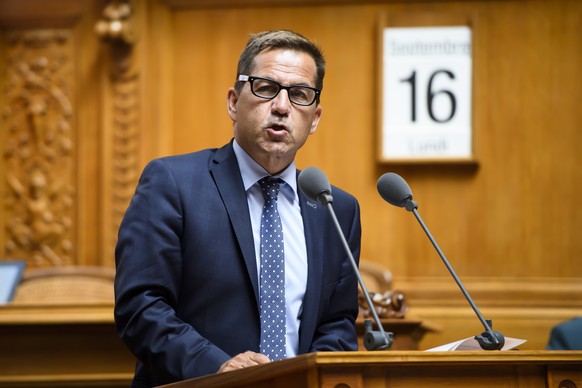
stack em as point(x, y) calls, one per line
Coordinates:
point(231, 100)
point(316, 118)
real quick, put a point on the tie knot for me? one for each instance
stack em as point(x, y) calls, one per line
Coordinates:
point(270, 187)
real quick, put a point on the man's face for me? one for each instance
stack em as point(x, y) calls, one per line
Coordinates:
point(271, 131)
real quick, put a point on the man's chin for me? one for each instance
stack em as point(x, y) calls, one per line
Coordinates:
point(276, 147)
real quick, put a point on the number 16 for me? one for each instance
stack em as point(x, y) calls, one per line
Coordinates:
point(431, 95)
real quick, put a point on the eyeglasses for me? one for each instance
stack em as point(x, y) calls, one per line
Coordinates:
point(269, 89)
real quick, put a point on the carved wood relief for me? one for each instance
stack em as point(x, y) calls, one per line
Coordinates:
point(125, 146)
point(39, 147)
point(117, 30)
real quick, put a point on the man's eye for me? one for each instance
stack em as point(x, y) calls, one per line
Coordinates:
point(302, 95)
point(299, 94)
point(266, 89)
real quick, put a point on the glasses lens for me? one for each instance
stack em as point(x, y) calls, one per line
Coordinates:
point(301, 95)
point(265, 88)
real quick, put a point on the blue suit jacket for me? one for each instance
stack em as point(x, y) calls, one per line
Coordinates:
point(186, 288)
point(566, 335)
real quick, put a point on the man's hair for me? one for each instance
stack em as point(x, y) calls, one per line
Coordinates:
point(279, 39)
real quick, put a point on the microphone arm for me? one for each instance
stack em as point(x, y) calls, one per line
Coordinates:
point(488, 340)
point(373, 340)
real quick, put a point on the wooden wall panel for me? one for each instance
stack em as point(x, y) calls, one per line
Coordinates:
point(502, 218)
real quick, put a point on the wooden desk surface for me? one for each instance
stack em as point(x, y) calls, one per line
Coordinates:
point(408, 369)
point(62, 346)
point(24, 314)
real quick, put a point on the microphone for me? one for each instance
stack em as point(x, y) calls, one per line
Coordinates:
point(394, 190)
point(315, 185)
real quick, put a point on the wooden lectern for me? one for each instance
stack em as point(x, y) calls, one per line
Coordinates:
point(403, 369)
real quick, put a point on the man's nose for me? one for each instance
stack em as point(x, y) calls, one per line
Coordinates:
point(281, 103)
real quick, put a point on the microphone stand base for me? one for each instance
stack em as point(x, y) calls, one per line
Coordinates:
point(487, 342)
point(373, 340)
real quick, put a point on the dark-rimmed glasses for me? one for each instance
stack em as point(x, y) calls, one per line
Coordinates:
point(269, 89)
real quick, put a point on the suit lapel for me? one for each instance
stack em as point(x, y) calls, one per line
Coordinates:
point(225, 171)
point(311, 213)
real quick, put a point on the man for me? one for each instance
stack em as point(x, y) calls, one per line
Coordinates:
point(191, 259)
point(566, 335)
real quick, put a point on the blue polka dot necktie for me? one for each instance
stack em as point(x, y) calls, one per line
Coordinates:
point(272, 274)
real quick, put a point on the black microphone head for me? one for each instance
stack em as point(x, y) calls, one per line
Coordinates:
point(314, 184)
point(394, 189)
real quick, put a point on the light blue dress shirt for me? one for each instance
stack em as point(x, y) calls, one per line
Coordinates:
point(293, 235)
